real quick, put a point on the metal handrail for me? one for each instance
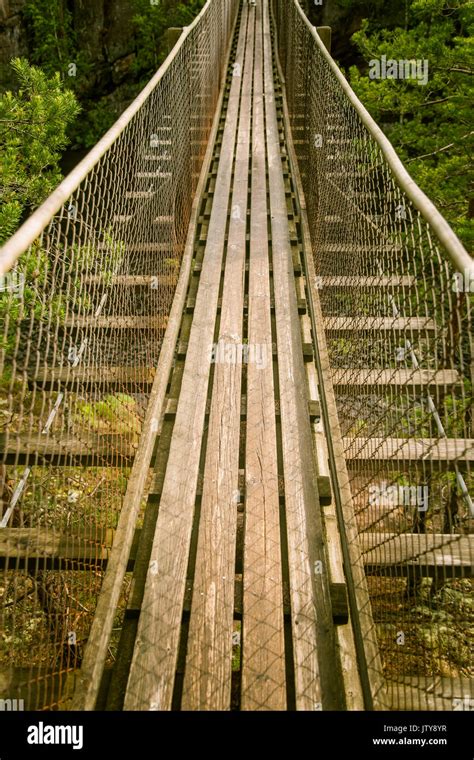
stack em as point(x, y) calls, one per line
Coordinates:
point(457, 253)
point(35, 224)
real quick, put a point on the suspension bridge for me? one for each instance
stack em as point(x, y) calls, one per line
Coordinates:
point(237, 433)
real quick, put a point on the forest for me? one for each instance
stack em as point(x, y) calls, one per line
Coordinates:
point(75, 66)
point(123, 277)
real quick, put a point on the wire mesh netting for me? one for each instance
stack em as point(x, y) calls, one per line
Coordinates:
point(398, 325)
point(83, 314)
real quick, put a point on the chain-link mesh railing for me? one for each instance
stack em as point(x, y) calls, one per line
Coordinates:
point(394, 287)
point(85, 295)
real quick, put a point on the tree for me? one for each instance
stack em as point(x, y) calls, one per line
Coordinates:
point(151, 21)
point(33, 128)
point(430, 126)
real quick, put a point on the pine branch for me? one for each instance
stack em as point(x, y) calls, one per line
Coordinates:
point(440, 150)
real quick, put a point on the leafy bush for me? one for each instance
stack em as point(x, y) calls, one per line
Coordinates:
point(33, 134)
point(430, 126)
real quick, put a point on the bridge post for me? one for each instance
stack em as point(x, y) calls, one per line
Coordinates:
point(172, 35)
point(325, 32)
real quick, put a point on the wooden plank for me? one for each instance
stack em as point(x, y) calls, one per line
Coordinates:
point(427, 554)
point(151, 679)
point(338, 595)
point(46, 549)
point(347, 650)
point(380, 379)
point(411, 693)
point(91, 450)
point(318, 677)
point(301, 305)
point(263, 653)
point(307, 350)
point(297, 267)
point(131, 281)
point(368, 666)
point(113, 376)
point(357, 248)
point(96, 650)
point(141, 248)
point(354, 281)
point(129, 218)
point(208, 669)
point(155, 322)
point(380, 324)
point(172, 405)
point(36, 688)
point(38, 549)
point(440, 450)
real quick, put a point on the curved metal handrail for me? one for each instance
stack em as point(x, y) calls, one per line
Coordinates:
point(457, 253)
point(34, 225)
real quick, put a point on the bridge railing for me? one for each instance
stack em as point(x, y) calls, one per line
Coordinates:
point(393, 285)
point(86, 291)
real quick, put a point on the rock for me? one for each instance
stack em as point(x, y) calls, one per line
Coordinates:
point(121, 68)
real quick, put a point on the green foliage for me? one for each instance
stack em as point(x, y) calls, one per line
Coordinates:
point(33, 128)
point(430, 126)
point(50, 26)
point(151, 22)
point(97, 121)
point(114, 413)
point(30, 294)
point(53, 41)
point(86, 258)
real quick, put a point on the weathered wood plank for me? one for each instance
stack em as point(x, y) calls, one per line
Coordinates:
point(35, 688)
point(428, 554)
point(307, 350)
point(432, 450)
point(115, 376)
point(354, 281)
point(94, 662)
point(368, 684)
point(129, 218)
point(91, 450)
point(356, 247)
point(431, 693)
point(318, 681)
point(208, 669)
point(142, 247)
point(380, 324)
point(131, 280)
point(151, 680)
point(155, 322)
point(263, 655)
point(345, 636)
point(35, 549)
point(47, 549)
point(380, 379)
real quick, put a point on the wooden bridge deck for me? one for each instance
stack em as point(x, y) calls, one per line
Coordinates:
point(238, 598)
point(247, 266)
